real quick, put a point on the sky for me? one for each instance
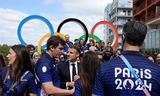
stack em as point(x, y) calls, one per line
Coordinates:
point(12, 12)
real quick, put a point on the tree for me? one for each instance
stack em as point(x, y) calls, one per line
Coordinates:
point(4, 51)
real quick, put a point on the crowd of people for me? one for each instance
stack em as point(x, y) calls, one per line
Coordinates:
point(78, 69)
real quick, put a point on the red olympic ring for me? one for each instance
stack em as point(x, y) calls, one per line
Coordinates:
point(115, 41)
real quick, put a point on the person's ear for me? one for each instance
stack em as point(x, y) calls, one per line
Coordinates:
point(123, 37)
point(77, 55)
point(51, 48)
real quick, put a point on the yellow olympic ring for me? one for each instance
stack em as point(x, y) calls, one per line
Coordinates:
point(45, 36)
point(60, 34)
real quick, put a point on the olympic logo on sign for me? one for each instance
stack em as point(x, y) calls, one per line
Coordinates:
point(52, 32)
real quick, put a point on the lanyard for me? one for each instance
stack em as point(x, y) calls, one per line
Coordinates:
point(146, 92)
point(12, 87)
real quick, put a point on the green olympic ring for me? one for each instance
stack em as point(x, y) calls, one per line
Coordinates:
point(91, 36)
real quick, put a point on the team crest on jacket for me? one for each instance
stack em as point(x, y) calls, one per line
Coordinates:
point(44, 69)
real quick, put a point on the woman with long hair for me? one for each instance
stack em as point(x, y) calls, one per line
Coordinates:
point(88, 67)
point(17, 77)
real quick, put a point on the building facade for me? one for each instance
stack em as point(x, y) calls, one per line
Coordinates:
point(148, 11)
point(107, 30)
point(120, 13)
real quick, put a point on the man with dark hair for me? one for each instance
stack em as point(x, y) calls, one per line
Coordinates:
point(76, 42)
point(91, 43)
point(134, 33)
point(115, 78)
point(67, 70)
point(47, 76)
point(108, 44)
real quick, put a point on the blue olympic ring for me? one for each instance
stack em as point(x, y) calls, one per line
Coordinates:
point(29, 18)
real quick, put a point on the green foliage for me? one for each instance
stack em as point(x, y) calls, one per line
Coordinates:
point(152, 51)
point(4, 51)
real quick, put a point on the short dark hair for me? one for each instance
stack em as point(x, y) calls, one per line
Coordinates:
point(75, 47)
point(135, 32)
point(29, 46)
point(54, 41)
point(75, 40)
point(108, 42)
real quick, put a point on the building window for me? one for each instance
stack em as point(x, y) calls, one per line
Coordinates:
point(154, 39)
point(146, 41)
point(149, 43)
point(158, 38)
point(124, 12)
point(129, 13)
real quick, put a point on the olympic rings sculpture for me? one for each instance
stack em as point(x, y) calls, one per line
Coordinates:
point(86, 35)
point(30, 18)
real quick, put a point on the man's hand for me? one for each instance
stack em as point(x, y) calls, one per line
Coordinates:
point(70, 84)
point(73, 90)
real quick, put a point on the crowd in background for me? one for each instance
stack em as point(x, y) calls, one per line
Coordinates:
point(26, 64)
